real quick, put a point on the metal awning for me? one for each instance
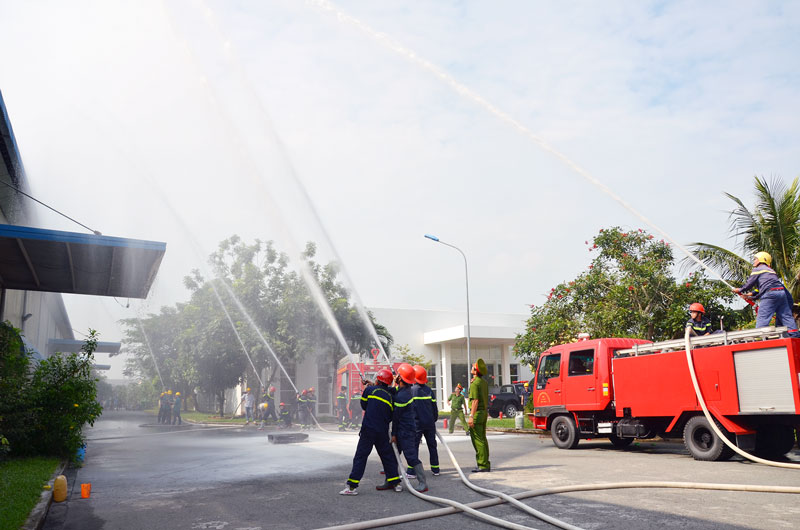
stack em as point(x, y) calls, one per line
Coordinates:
point(34, 259)
point(74, 346)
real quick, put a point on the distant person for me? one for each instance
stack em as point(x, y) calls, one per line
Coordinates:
point(269, 399)
point(341, 408)
point(249, 401)
point(479, 401)
point(376, 402)
point(162, 405)
point(262, 414)
point(311, 408)
point(176, 410)
point(698, 323)
point(765, 285)
point(356, 412)
point(168, 408)
point(404, 424)
point(458, 407)
point(427, 414)
point(302, 409)
point(286, 416)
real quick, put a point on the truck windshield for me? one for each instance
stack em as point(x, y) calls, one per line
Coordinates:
point(549, 366)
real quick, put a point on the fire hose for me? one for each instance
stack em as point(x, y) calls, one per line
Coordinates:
point(713, 423)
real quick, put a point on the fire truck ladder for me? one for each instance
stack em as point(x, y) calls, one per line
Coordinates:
point(716, 339)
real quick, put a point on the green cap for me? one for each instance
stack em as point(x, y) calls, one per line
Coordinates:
point(481, 365)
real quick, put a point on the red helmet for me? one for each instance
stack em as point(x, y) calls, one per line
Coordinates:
point(697, 307)
point(406, 373)
point(272, 389)
point(421, 374)
point(384, 376)
point(305, 392)
point(283, 404)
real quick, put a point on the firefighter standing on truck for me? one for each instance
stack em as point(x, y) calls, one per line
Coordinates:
point(771, 294)
point(377, 403)
point(479, 401)
point(698, 322)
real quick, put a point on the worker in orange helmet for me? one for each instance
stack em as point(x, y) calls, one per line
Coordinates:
point(427, 414)
point(404, 423)
point(698, 323)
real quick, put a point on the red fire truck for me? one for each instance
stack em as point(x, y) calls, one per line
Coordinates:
point(349, 374)
point(625, 389)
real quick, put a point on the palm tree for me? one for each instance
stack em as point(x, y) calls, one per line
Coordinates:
point(772, 226)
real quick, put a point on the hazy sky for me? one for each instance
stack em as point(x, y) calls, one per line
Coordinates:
point(187, 122)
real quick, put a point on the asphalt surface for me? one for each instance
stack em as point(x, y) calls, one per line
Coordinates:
point(151, 477)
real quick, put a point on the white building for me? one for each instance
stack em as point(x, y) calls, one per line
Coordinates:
point(441, 337)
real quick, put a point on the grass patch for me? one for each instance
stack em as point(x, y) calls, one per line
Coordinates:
point(508, 423)
point(203, 417)
point(21, 481)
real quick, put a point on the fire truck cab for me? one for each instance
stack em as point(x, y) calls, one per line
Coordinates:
point(625, 389)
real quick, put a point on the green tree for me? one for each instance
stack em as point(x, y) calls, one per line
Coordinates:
point(772, 225)
point(628, 290)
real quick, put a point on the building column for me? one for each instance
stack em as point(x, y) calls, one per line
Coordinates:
point(504, 356)
point(447, 374)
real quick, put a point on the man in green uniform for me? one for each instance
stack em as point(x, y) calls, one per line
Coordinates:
point(458, 407)
point(479, 401)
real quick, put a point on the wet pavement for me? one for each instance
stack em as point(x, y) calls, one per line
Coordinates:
point(146, 476)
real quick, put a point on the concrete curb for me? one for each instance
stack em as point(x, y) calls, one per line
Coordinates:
point(39, 513)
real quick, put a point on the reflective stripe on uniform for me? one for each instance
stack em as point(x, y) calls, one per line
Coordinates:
point(373, 396)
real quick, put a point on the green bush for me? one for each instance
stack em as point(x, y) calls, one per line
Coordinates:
point(46, 411)
point(14, 368)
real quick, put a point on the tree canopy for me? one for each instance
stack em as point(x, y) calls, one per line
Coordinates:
point(195, 345)
point(628, 290)
point(772, 225)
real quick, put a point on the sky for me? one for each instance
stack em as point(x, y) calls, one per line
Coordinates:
point(365, 125)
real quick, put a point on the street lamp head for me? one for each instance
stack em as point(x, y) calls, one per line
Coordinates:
point(432, 238)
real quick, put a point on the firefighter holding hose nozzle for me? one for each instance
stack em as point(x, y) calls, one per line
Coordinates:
point(768, 288)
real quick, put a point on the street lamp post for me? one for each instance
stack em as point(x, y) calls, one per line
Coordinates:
point(466, 279)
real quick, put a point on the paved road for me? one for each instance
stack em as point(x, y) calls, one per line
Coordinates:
point(150, 477)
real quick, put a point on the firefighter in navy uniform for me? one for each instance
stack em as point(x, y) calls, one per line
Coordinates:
point(302, 409)
point(427, 414)
point(698, 322)
point(771, 293)
point(376, 401)
point(286, 416)
point(355, 411)
point(341, 408)
point(311, 408)
point(404, 423)
point(268, 397)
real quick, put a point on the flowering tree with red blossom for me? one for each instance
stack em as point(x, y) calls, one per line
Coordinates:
point(628, 290)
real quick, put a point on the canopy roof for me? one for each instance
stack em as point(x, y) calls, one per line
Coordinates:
point(34, 259)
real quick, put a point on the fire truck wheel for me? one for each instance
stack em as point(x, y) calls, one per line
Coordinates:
point(494, 413)
point(702, 442)
point(619, 443)
point(564, 432)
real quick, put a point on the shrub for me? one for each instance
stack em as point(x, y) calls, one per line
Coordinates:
point(14, 368)
point(44, 413)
